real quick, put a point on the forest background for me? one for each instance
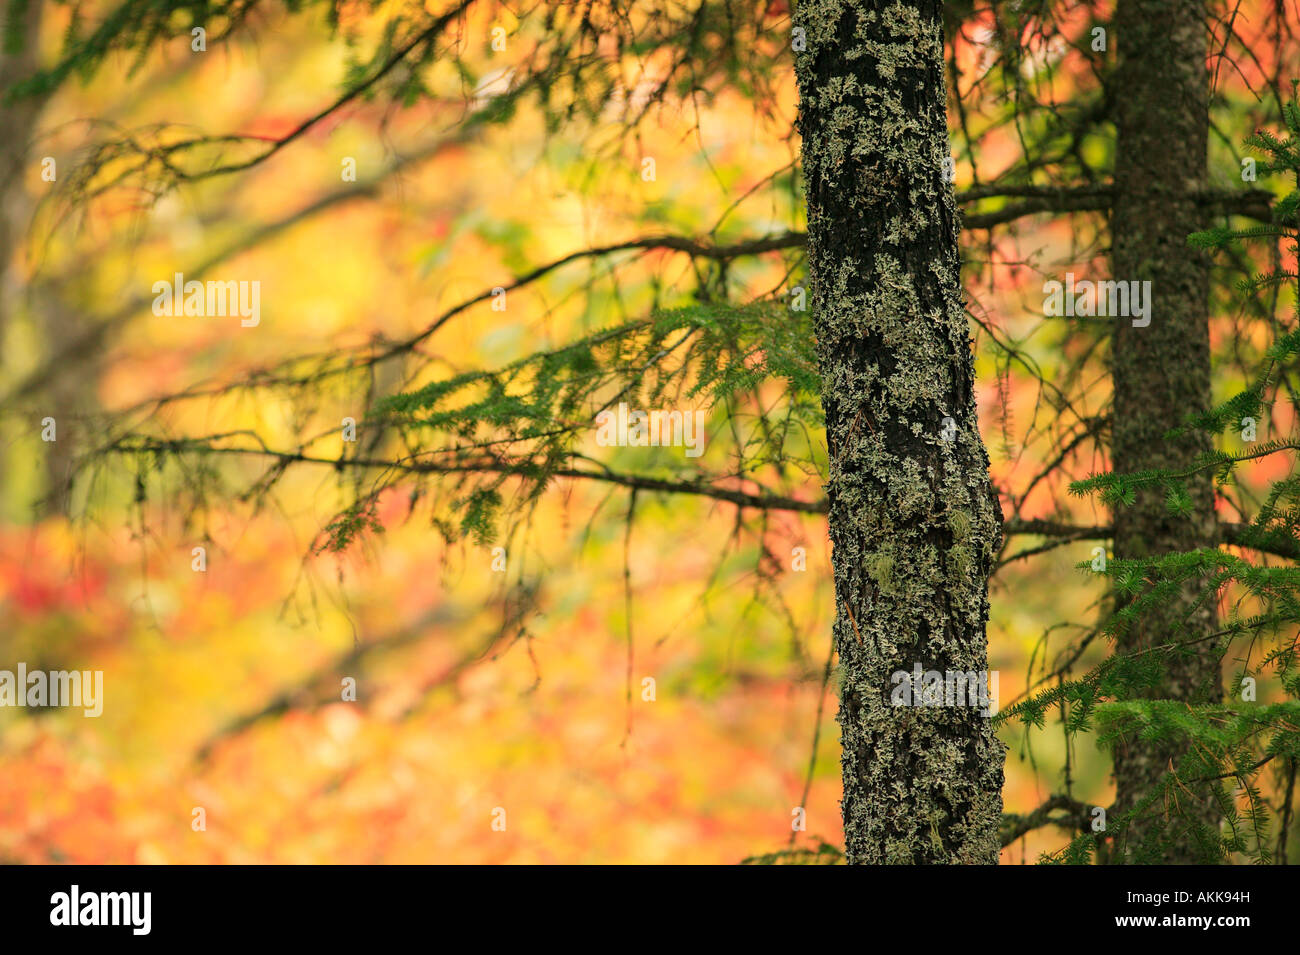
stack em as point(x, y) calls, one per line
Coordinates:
point(501, 642)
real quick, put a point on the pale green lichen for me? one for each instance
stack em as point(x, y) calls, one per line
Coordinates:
point(914, 521)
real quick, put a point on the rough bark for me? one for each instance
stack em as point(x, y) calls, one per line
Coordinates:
point(1162, 374)
point(913, 519)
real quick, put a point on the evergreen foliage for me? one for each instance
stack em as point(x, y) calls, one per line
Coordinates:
point(1227, 746)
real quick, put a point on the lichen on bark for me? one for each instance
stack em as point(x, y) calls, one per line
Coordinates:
point(914, 521)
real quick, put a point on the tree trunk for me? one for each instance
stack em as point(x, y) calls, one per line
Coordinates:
point(1162, 375)
point(914, 521)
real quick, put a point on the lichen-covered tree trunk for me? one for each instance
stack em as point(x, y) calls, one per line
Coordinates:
point(914, 521)
point(1162, 374)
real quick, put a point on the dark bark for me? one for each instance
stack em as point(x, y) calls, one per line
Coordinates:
point(1162, 375)
point(913, 520)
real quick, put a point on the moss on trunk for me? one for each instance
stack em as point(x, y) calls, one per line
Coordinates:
point(914, 521)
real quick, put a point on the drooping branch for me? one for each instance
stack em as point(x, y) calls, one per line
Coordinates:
point(67, 357)
point(96, 338)
point(1233, 534)
point(165, 157)
point(424, 37)
point(1240, 535)
point(483, 465)
point(1074, 817)
point(1252, 202)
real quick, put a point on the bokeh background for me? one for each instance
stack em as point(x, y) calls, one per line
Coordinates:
point(477, 689)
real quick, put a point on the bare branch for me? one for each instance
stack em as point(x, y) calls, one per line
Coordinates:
point(1074, 817)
